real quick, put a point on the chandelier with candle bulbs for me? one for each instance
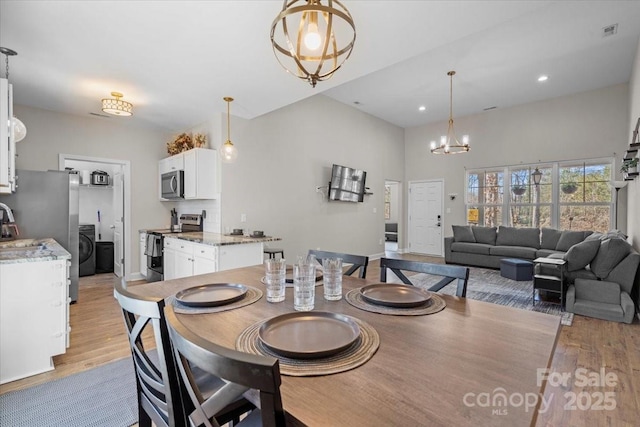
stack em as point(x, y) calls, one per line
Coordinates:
point(449, 143)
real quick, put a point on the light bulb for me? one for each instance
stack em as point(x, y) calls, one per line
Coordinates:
point(229, 152)
point(433, 145)
point(312, 39)
point(19, 129)
point(443, 141)
point(465, 139)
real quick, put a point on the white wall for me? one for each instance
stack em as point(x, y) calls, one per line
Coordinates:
point(633, 187)
point(50, 133)
point(286, 154)
point(586, 125)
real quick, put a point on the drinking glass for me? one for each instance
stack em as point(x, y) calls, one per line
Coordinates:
point(304, 284)
point(275, 274)
point(332, 278)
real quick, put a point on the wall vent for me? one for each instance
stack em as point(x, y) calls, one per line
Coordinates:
point(609, 30)
point(490, 108)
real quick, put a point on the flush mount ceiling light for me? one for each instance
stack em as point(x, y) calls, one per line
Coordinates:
point(449, 144)
point(18, 129)
point(305, 37)
point(117, 106)
point(229, 152)
point(543, 78)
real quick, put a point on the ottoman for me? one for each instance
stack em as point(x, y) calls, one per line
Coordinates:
point(516, 269)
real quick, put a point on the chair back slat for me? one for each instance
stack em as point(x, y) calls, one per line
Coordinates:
point(359, 262)
point(449, 273)
point(242, 370)
point(156, 378)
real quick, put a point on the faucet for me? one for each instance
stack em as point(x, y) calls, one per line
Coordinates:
point(11, 224)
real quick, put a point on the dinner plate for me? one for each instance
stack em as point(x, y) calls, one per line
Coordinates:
point(288, 282)
point(307, 335)
point(211, 295)
point(395, 295)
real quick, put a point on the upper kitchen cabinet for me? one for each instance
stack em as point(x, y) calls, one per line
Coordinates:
point(189, 175)
point(200, 174)
point(7, 141)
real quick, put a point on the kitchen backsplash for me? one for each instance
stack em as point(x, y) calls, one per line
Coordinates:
point(211, 223)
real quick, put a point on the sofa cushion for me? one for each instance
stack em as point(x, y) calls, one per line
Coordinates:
point(485, 234)
point(580, 255)
point(550, 237)
point(584, 273)
point(597, 290)
point(546, 253)
point(513, 252)
point(471, 248)
point(463, 233)
point(512, 236)
point(611, 252)
point(568, 239)
point(594, 236)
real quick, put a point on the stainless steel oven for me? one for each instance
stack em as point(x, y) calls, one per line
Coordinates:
point(172, 185)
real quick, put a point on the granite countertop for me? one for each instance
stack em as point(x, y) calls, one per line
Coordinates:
point(31, 250)
point(213, 239)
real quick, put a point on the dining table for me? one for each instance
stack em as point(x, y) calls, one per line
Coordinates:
point(471, 364)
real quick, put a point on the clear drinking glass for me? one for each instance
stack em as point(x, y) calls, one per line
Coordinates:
point(332, 278)
point(304, 284)
point(275, 275)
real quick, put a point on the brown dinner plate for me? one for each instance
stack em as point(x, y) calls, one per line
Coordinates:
point(395, 295)
point(212, 295)
point(307, 335)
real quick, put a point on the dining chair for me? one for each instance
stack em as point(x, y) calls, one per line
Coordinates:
point(241, 372)
point(359, 262)
point(160, 394)
point(449, 273)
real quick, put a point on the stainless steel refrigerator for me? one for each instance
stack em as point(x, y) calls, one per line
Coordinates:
point(46, 204)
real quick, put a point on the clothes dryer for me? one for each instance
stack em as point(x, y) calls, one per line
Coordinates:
point(87, 251)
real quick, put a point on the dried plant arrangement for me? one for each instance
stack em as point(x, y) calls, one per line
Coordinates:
point(182, 143)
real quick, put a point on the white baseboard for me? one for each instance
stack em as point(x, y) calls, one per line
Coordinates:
point(136, 276)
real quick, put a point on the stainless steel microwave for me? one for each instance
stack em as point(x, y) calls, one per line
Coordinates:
point(172, 185)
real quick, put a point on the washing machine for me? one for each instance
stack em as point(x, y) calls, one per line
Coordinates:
point(87, 252)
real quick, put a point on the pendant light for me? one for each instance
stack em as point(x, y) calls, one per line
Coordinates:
point(449, 144)
point(229, 151)
point(18, 128)
point(117, 106)
point(310, 50)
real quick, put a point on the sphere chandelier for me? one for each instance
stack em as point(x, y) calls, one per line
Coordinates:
point(306, 34)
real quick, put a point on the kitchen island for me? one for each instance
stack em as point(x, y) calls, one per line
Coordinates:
point(196, 252)
point(34, 306)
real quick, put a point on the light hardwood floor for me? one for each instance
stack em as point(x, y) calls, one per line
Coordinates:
point(98, 337)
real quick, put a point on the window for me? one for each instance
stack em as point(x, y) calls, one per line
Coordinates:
point(571, 195)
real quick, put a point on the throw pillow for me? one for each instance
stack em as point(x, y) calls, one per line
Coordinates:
point(594, 236)
point(463, 233)
point(513, 236)
point(550, 237)
point(611, 252)
point(568, 239)
point(580, 255)
point(485, 235)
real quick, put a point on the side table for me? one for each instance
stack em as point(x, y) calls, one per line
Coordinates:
point(548, 275)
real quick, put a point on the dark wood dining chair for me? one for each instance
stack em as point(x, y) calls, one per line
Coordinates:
point(160, 396)
point(449, 273)
point(241, 372)
point(358, 262)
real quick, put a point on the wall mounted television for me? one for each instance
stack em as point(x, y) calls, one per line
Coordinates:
point(347, 184)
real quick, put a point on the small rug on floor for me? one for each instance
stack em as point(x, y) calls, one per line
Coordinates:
point(102, 396)
point(487, 285)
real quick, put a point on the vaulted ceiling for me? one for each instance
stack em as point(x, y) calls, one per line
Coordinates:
point(176, 60)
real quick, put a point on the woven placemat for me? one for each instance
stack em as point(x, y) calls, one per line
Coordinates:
point(357, 354)
point(252, 295)
point(435, 304)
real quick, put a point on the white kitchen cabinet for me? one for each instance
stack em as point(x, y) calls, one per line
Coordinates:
point(34, 316)
point(143, 257)
point(200, 174)
point(7, 142)
point(170, 164)
point(184, 259)
point(236, 256)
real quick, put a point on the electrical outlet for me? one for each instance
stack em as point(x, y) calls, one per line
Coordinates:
point(243, 217)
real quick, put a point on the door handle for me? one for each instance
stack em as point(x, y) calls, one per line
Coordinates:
point(438, 224)
point(173, 184)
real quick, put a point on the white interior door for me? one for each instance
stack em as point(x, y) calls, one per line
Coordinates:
point(118, 224)
point(425, 217)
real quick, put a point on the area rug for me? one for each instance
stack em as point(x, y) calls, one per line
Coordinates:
point(487, 285)
point(102, 396)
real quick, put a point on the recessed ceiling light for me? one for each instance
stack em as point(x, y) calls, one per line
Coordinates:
point(422, 108)
point(543, 78)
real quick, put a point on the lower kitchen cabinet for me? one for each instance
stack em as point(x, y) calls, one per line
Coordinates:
point(143, 257)
point(34, 316)
point(183, 258)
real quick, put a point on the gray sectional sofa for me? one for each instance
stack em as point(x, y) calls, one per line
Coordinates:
point(603, 263)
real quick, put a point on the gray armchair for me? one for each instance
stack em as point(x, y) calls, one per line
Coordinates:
point(608, 299)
